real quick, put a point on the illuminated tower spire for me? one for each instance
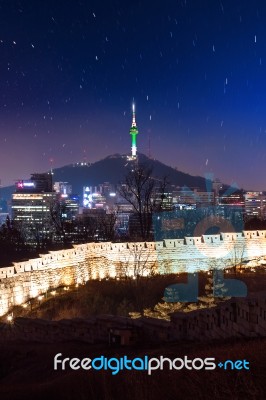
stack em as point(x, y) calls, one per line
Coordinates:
point(133, 132)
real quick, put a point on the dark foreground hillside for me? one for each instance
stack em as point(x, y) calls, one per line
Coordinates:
point(26, 369)
point(26, 372)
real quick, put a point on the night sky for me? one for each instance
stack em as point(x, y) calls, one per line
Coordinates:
point(196, 70)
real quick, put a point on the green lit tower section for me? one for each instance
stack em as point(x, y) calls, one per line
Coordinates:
point(134, 132)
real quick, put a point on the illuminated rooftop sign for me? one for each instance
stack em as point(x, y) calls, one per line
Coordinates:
point(25, 184)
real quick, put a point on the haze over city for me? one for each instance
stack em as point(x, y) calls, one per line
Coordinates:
point(196, 71)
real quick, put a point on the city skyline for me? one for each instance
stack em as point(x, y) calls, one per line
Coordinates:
point(196, 73)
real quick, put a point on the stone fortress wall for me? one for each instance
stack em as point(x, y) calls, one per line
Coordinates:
point(234, 318)
point(25, 280)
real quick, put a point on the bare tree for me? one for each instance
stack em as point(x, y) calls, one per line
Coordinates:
point(139, 263)
point(56, 219)
point(60, 228)
point(13, 241)
point(106, 226)
point(236, 255)
point(142, 191)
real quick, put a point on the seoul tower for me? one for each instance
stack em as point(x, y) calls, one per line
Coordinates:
point(134, 132)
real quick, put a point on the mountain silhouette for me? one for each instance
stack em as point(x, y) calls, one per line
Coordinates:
point(113, 169)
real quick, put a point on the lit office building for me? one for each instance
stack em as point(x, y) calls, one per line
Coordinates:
point(92, 198)
point(193, 198)
point(32, 203)
point(63, 188)
point(69, 207)
point(255, 205)
point(235, 199)
point(31, 207)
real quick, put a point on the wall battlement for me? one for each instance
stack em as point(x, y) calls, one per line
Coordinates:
point(28, 279)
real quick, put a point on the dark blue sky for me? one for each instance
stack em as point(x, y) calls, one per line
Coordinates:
point(196, 69)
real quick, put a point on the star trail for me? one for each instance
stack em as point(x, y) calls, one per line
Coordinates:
point(196, 71)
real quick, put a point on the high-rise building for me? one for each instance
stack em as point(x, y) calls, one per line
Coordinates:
point(32, 208)
point(32, 204)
